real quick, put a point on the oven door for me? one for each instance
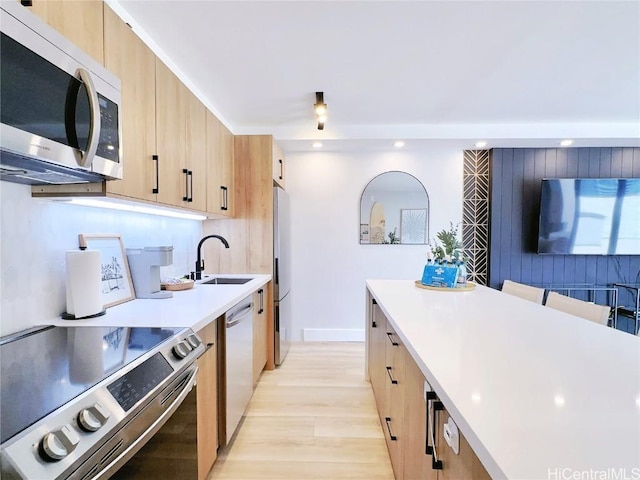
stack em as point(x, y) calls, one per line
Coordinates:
point(110, 461)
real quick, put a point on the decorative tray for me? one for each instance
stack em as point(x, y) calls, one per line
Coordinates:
point(186, 285)
point(470, 286)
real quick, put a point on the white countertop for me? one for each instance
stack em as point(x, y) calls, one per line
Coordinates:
point(537, 393)
point(193, 308)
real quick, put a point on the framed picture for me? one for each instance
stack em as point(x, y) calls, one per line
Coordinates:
point(116, 277)
point(364, 233)
point(413, 226)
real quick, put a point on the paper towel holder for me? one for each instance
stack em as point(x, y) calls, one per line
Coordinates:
point(69, 316)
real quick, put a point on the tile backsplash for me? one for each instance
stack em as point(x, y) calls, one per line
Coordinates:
point(36, 234)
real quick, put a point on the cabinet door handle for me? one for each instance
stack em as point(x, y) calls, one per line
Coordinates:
point(393, 380)
point(431, 396)
point(223, 191)
point(190, 175)
point(186, 185)
point(393, 342)
point(387, 420)
point(281, 168)
point(436, 406)
point(157, 187)
point(261, 295)
point(373, 314)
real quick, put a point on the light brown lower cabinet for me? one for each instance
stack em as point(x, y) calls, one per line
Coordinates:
point(406, 416)
point(207, 403)
point(417, 464)
point(259, 334)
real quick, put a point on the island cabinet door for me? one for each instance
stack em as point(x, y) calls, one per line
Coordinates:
point(456, 466)
point(417, 463)
point(394, 414)
point(377, 360)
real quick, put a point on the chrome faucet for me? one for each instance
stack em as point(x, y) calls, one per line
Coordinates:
point(199, 261)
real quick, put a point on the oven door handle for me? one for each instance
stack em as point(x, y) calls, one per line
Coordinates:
point(149, 432)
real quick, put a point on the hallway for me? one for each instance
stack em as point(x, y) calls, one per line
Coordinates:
point(312, 418)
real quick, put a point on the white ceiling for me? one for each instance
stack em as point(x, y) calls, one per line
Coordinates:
point(514, 73)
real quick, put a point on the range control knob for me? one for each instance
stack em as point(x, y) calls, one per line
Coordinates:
point(92, 418)
point(181, 350)
point(193, 341)
point(58, 444)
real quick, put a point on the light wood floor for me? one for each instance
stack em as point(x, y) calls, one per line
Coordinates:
point(313, 418)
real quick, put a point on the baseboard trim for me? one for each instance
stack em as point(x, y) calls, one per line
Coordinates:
point(333, 335)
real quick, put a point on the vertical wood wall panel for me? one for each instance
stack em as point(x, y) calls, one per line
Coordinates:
point(516, 176)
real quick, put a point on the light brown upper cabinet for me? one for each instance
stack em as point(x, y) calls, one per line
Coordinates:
point(195, 167)
point(129, 58)
point(78, 20)
point(171, 136)
point(278, 166)
point(219, 159)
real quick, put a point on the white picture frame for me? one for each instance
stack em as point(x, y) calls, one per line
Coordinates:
point(117, 286)
point(413, 226)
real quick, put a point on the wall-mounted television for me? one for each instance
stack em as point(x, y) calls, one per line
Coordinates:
point(590, 216)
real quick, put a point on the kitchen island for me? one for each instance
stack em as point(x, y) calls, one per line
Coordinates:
point(536, 393)
point(194, 308)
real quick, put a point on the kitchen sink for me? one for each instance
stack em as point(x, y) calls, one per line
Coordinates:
point(227, 281)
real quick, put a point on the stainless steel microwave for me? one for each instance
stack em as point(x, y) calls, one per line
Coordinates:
point(60, 109)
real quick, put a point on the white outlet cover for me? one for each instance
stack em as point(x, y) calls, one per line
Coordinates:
point(452, 435)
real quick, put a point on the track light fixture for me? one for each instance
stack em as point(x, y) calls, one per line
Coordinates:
point(321, 110)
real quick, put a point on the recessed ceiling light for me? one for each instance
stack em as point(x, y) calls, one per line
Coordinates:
point(399, 144)
point(316, 144)
point(481, 144)
point(566, 143)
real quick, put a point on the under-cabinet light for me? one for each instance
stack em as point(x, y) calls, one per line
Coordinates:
point(399, 144)
point(113, 204)
point(566, 143)
point(481, 144)
point(316, 144)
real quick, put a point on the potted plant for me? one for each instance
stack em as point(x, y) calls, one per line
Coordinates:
point(449, 249)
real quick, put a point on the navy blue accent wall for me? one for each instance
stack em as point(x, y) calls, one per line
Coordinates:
point(516, 176)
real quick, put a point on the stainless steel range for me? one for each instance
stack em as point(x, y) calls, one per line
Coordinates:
point(78, 402)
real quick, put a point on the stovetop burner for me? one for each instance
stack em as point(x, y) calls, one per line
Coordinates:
point(67, 391)
point(44, 370)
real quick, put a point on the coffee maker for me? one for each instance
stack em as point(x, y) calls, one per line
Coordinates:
point(145, 266)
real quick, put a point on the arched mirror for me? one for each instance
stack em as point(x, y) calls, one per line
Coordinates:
point(394, 209)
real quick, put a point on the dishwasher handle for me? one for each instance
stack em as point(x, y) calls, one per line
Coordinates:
point(237, 316)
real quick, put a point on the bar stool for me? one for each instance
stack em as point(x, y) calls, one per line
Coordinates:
point(579, 308)
point(533, 294)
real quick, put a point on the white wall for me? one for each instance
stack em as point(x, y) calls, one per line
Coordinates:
point(329, 266)
point(36, 235)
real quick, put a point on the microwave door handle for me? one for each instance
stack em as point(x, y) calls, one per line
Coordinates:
point(85, 159)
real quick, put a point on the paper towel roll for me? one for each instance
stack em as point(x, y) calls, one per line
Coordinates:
point(84, 283)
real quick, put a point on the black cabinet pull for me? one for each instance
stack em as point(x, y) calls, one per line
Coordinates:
point(387, 420)
point(431, 396)
point(373, 314)
point(186, 185)
point(190, 175)
point(261, 295)
point(157, 187)
point(436, 464)
point(281, 168)
point(393, 342)
point(393, 380)
point(225, 199)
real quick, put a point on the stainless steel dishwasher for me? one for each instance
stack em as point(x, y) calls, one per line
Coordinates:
point(236, 367)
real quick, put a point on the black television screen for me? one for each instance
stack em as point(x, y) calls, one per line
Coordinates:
point(590, 216)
